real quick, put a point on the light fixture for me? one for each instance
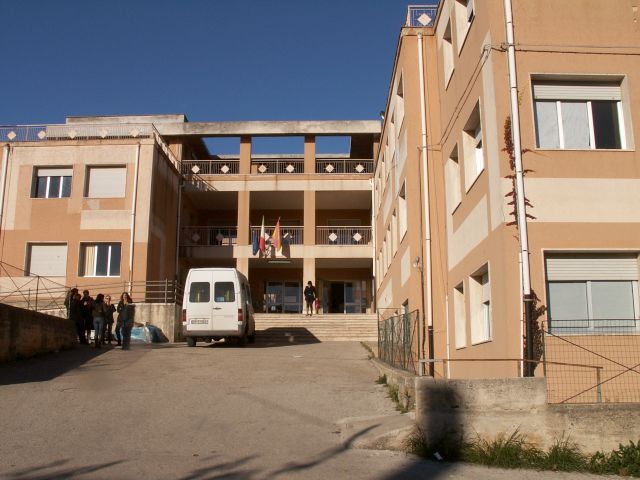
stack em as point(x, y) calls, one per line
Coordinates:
point(282, 262)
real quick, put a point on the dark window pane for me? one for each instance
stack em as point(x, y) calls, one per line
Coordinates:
point(224, 292)
point(114, 268)
point(66, 187)
point(41, 187)
point(199, 292)
point(54, 187)
point(605, 124)
point(102, 259)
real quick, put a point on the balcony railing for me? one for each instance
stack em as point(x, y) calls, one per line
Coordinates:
point(343, 235)
point(41, 133)
point(210, 167)
point(421, 15)
point(343, 165)
point(208, 236)
point(290, 235)
point(270, 166)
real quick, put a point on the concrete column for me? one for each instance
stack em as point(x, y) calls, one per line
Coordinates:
point(309, 217)
point(309, 273)
point(244, 207)
point(242, 265)
point(309, 154)
point(245, 155)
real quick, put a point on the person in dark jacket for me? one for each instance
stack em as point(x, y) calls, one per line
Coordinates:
point(126, 315)
point(86, 307)
point(75, 315)
point(67, 300)
point(309, 296)
point(108, 326)
point(99, 313)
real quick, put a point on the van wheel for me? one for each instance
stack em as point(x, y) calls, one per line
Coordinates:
point(252, 337)
point(191, 341)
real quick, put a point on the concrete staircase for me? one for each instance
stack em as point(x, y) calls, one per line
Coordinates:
point(317, 328)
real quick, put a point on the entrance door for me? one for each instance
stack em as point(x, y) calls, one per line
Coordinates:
point(283, 297)
point(346, 297)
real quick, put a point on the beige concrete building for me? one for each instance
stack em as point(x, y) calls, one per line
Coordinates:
point(445, 183)
point(118, 203)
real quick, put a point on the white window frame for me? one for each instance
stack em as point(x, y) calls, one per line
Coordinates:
point(29, 266)
point(402, 212)
point(480, 306)
point(48, 173)
point(460, 316)
point(93, 274)
point(452, 177)
point(465, 13)
point(473, 151)
point(446, 45)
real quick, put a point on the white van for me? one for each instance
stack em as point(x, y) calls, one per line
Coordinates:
point(217, 305)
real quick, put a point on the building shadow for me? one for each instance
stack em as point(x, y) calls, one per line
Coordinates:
point(57, 470)
point(284, 336)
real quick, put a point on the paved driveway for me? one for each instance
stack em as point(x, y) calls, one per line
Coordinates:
point(199, 413)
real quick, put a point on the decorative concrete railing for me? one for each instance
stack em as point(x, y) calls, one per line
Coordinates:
point(210, 167)
point(270, 166)
point(208, 236)
point(343, 235)
point(421, 15)
point(343, 165)
point(294, 233)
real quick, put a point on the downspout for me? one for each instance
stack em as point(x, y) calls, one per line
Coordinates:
point(521, 213)
point(374, 287)
point(179, 219)
point(3, 182)
point(133, 216)
point(427, 216)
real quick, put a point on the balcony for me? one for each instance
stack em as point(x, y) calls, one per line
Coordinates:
point(211, 167)
point(343, 235)
point(343, 166)
point(278, 166)
point(290, 235)
point(208, 236)
point(271, 166)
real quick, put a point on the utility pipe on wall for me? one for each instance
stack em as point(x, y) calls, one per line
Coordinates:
point(521, 212)
point(133, 216)
point(426, 212)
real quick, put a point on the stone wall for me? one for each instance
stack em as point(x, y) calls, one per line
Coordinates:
point(25, 333)
point(453, 409)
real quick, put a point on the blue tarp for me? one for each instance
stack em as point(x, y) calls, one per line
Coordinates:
point(148, 334)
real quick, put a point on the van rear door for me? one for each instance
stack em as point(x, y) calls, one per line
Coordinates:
point(225, 303)
point(199, 301)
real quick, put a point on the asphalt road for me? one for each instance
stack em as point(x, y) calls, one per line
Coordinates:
point(210, 412)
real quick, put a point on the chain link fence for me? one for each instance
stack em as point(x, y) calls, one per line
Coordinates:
point(398, 341)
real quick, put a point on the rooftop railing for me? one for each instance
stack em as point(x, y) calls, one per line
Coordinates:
point(421, 15)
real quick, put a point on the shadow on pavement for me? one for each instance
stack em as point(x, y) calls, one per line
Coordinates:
point(283, 336)
point(55, 470)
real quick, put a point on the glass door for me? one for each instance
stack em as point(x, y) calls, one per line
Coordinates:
point(273, 297)
point(283, 297)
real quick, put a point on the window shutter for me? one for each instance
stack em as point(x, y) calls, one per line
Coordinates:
point(55, 172)
point(107, 182)
point(48, 260)
point(567, 267)
point(568, 91)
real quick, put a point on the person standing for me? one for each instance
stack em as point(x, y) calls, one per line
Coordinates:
point(99, 313)
point(75, 315)
point(71, 294)
point(86, 308)
point(108, 327)
point(309, 296)
point(126, 318)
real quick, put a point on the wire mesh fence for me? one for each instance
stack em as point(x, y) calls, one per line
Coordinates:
point(398, 341)
point(610, 360)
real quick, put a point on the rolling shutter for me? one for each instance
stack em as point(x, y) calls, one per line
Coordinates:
point(55, 172)
point(568, 267)
point(48, 260)
point(106, 182)
point(576, 91)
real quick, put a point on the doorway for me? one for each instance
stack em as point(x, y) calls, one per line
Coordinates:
point(283, 297)
point(344, 297)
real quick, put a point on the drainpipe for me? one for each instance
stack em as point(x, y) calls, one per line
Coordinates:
point(521, 213)
point(427, 215)
point(374, 287)
point(133, 216)
point(3, 183)
point(177, 276)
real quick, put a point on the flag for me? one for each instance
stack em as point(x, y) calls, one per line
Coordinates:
point(277, 240)
point(254, 241)
point(263, 238)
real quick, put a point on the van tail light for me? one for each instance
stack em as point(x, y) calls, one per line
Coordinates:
point(184, 315)
point(240, 315)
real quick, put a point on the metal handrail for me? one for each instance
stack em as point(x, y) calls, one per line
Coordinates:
point(345, 235)
point(271, 166)
point(210, 167)
point(344, 166)
point(195, 236)
point(295, 233)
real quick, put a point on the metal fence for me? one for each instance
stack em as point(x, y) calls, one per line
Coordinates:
point(208, 236)
point(343, 235)
point(398, 341)
point(343, 165)
point(289, 234)
point(41, 293)
point(210, 167)
point(277, 165)
point(610, 357)
point(421, 15)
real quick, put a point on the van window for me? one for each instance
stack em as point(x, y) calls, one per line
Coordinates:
point(224, 292)
point(200, 292)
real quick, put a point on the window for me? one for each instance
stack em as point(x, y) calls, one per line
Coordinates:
point(200, 292)
point(480, 302)
point(47, 260)
point(52, 183)
point(473, 152)
point(452, 179)
point(592, 293)
point(578, 115)
point(400, 102)
point(224, 292)
point(447, 53)
point(106, 182)
point(460, 316)
point(402, 211)
point(464, 13)
point(394, 232)
point(100, 260)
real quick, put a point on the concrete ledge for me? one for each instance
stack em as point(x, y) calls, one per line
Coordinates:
point(25, 333)
point(405, 381)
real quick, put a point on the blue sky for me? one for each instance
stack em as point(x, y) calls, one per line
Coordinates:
point(212, 60)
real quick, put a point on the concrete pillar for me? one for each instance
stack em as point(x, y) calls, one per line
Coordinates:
point(244, 207)
point(309, 273)
point(245, 155)
point(242, 265)
point(309, 154)
point(309, 217)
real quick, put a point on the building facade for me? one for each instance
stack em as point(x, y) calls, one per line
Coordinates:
point(446, 184)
